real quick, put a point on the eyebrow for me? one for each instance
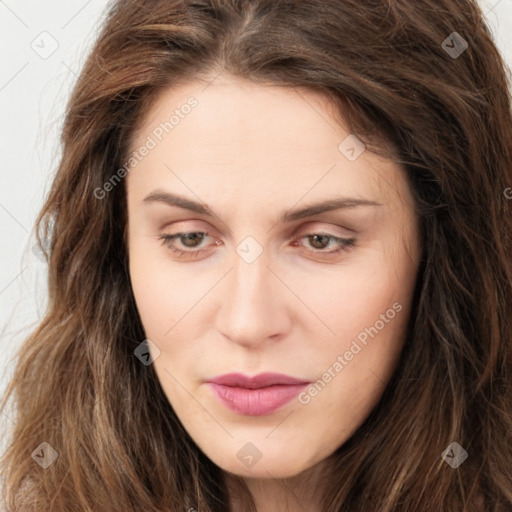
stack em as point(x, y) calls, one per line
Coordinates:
point(336, 203)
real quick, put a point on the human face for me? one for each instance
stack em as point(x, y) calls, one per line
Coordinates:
point(265, 294)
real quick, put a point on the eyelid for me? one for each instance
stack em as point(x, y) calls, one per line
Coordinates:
point(317, 227)
point(328, 219)
point(320, 227)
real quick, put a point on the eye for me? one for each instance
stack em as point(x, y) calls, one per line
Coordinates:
point(190, 239)
point(193, 239)
point(319, 241)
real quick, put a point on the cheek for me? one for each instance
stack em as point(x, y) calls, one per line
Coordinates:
point(367, 323)
point(356, 302)
point(162, 295)
point(354, 367)
point(150, 298)
point(363, 354)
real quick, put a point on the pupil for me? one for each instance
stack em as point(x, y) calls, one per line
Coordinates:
point(190, 237)
point(315, 240)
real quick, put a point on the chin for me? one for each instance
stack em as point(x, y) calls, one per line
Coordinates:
point(267, 467)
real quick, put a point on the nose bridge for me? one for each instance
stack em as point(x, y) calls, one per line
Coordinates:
point(249, 311)
point(249, 287)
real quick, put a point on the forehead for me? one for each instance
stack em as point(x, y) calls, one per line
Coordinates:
point(239, 134)
point(246, 105)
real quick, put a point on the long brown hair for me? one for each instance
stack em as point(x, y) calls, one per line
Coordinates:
point(399, 75)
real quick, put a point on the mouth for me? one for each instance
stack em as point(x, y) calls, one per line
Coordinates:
point(256, 396)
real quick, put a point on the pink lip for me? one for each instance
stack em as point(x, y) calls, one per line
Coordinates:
point(258, 395)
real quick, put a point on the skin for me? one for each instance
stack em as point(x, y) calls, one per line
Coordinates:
point(251, 152)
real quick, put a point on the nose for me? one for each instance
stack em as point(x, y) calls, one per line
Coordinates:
point(254, 305)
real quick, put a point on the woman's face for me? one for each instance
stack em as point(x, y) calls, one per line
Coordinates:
point(308, 256)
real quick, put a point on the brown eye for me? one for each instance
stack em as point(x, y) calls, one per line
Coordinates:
point(193, 239)
point(190, 239)
point(319, 242)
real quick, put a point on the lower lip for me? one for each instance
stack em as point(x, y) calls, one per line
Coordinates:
point(256, 402)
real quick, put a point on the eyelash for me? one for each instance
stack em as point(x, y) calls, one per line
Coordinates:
point(345, 243)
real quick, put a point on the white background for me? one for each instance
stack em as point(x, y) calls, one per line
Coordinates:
point(33, 93)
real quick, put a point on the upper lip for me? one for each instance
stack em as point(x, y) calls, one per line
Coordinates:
point(257, 381)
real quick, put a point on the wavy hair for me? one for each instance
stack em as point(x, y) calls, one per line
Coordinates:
point(409, 88)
